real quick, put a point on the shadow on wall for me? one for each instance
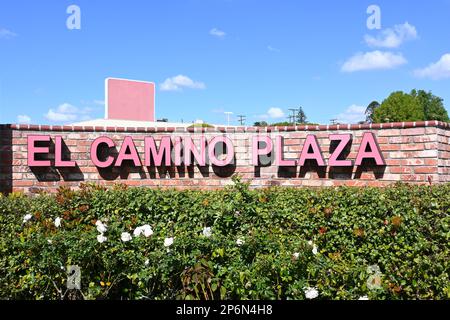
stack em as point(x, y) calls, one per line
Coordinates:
point(5, 159)
point(52, 173)
point(112, 173)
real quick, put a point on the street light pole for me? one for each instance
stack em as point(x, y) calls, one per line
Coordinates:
point(228, 113)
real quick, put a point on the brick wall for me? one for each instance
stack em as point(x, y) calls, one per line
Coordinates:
point(414, 152)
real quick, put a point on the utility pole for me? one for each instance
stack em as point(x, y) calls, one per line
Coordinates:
point(334, 121)
point(228, 113)
point(293, 116)
point(241, 119)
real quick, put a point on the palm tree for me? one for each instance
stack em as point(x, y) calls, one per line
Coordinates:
point(370, 111)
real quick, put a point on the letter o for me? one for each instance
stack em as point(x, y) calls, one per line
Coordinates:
point(230, 151)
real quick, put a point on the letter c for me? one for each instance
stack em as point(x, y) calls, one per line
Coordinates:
point(109, 161)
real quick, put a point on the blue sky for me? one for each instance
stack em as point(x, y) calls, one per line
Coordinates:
point(252, 57)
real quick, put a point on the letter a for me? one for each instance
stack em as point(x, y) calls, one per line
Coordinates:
point(74, 20)
point(374, 21)
point(368, 140)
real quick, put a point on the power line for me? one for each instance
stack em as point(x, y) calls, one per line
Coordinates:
point(242, 119)
point(334, 121)
point(293, 117)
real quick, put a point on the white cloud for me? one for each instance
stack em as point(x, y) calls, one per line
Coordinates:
point(392, 38)
point(66, 112)
point(272, 113)
point(23, 119)
point(7, 34)
point(217, 33)
point(275, 113)
point(273, 49)
point(352, 114)
point(99, 102)
point(373, 60)
point(179, 82)
point(437, 70)
point(67, 108)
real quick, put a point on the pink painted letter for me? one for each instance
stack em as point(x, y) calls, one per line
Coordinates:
point(212, 155)
point(311, 142)
point(94, 146)
point(344, 140)
point(32, 150)
point(279, 155)
point(152, 152)
point(59, 162)
point(128, 143)
point(189, 147)
point(374, 153)
point(256, 152)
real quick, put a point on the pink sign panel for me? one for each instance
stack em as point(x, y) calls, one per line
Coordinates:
point(129, 100)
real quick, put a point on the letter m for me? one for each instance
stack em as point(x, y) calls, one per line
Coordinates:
point(152, 152)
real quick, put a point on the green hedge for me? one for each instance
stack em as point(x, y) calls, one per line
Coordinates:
point(346, 243)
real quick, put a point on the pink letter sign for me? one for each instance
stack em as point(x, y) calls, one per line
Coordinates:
point(94, 146)
point(344, 140)
point(279, 154)
point(256, 152)
point(32, 150)
point(152, 152)
point(311, 142)
point(374, 153)
point(189, 148)
point(59, 162)
point(230, 151)
point(128, 144)
point(130, 100)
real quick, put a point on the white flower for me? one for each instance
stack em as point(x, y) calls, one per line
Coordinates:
point(207, 232)
point(58, 222)
point(125, 236)
point(100, 226)
point(168, 242)
point(240, 242)
point(50, 241)
point(101, 238)
point(296, 255)
point(137, 232)
point(27, 218)
point(373, 269)
point(314, 249)
point(364, 298)
point(145, 229)
point(374, 282)
point(311, 293)
point(147, 262)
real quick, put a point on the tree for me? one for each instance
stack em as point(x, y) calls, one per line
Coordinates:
point(370, 110)
point(301, 116)
point(415, 106)
point(433, 106)
point(260, 124)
